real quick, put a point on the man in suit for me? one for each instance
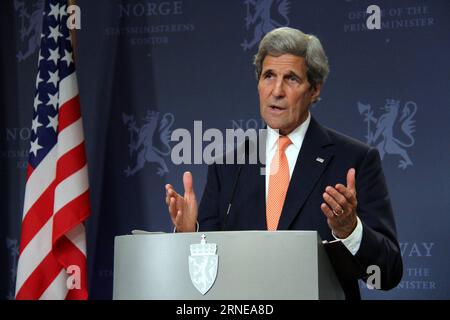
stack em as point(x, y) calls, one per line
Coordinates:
point(316, 178)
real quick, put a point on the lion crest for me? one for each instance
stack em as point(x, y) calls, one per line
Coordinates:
point(263, 16)
point(30, 27)
point(395, 120)
point(142, 142)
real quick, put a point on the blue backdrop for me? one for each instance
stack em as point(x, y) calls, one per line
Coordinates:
point(174, 62)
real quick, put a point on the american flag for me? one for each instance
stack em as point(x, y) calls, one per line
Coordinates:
point(52, 261)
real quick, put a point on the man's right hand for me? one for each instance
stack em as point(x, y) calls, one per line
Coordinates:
point(183, 210)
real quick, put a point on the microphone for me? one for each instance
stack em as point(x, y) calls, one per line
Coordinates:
point(236, 180)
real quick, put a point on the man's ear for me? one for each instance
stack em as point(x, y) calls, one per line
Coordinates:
point(315, 92)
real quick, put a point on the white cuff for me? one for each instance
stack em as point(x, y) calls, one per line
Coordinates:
point(198, 227)
point(353, 241)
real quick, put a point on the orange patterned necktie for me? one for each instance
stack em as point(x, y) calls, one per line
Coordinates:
point(278, 184)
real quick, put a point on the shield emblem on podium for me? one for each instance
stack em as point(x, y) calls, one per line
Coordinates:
point(203, 265)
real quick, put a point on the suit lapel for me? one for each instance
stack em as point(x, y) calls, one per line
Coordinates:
point(312, 160)
point(258, 206)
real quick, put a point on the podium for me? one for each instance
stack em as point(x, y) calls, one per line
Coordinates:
point(232, 265)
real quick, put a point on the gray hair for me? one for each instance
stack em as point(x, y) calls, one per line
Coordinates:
point(292, 41)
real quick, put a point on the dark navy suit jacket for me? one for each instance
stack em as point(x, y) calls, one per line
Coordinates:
point(301, 211)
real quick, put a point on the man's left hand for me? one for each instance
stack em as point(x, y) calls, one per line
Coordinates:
point(340, 207)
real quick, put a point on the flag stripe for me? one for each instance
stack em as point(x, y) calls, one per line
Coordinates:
point(71, 162)
point(67, 217)
point(70, 137)
point(68, 88)
point(41, 277)
point(37, 217)
point(76, 236)
point(71, 188)
point(33, 254)
point(40, 180)
point(69, 112)
point(57, 288)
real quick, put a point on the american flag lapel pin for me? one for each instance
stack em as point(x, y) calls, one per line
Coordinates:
point(319, 159)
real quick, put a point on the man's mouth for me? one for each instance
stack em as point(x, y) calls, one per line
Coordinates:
point(276, 108)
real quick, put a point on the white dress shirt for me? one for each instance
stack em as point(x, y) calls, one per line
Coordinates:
point(353, 241)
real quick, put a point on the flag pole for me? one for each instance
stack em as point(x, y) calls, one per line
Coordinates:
point(73, 34)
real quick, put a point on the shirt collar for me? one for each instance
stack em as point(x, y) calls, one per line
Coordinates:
point(296, 136)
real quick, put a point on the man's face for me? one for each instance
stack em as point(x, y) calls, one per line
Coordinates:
point(284, 92)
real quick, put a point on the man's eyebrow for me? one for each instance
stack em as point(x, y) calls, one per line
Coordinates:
point(292, 73)
point(267, 71)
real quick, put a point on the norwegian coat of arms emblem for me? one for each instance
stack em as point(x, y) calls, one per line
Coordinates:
point(142, 141)
point(264, 16)
point(30, 26)
point(382, 131)
point(203, 265)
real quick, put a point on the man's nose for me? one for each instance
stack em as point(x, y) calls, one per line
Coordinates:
point(278, 90)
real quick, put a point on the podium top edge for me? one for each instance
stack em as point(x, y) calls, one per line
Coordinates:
point(304, 232)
